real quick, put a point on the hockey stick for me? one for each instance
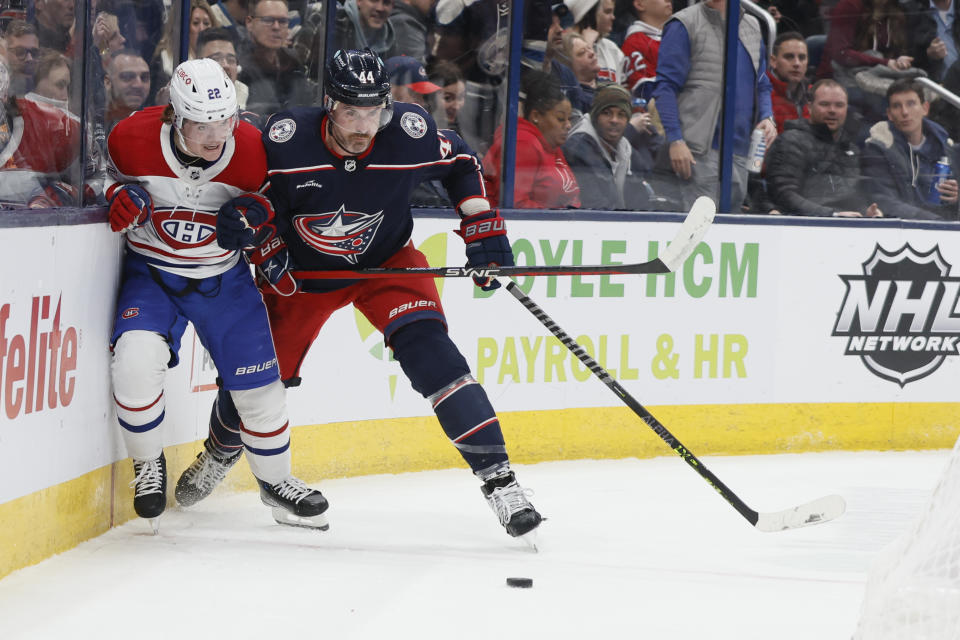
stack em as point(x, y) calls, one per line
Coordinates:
point(815, 512)
point(692, 230)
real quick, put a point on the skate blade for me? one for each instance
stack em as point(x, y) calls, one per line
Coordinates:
point(284, 517)
point(531, 540)
point(154, 524)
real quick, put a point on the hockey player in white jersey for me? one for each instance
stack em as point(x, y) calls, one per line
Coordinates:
point(171, 169)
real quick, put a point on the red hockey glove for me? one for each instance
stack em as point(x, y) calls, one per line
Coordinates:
point(272, 262)
point(130, 207)
point(239, 219)
point(487, 245)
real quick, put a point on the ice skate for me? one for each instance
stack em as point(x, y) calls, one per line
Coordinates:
point(509, 501)
point(204, 474)
point(295, 504)
point(150, 482)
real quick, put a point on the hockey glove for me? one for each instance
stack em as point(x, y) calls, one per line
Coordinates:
point(130, 207)
point(239, 220)
point(487, 245)
point(272, 262)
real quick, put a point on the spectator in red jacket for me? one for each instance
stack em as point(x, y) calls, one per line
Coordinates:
point(542, 177)
point(787, 72)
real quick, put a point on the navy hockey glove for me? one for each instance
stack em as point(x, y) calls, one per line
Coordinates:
point(486, 236)
point(130, 207)
point(272, 262)
point(239, 221)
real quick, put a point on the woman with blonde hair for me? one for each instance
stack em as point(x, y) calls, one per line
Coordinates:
point(593, 21)
point(165, 58)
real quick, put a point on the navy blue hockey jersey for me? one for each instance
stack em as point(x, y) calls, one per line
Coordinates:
point(354, 211)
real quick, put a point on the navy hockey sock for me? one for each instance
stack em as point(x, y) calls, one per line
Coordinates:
point(225, 425)
point(438, 371)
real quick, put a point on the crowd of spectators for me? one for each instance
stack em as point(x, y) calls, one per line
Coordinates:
point(621, 100)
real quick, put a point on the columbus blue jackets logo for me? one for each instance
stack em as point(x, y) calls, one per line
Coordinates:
point(899, 317)
point(282, 130)
point(185, 229)
point(413, 124)
point(339, 233)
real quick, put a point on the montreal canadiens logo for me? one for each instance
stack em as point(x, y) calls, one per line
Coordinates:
point(340, 233)
point(414, 125)
point(899, 316)
point(130, 312)
point(282, 130)
point(185, 229)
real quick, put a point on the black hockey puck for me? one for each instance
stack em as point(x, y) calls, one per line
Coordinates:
point(520, 583)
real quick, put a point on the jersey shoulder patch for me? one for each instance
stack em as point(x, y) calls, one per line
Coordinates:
point(414, 124)
point(282, 130)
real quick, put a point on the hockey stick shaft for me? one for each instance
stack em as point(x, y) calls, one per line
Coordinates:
point(692, 230)
point(658, 428)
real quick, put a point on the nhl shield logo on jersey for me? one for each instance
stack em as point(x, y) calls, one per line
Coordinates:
point(350, 164)
point(339, 233)
point(413, 124)
point(185, 229)
point(282, 130)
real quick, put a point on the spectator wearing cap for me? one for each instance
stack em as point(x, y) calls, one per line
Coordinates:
point(409, 81)
point(610, 171)
point(413, 22)
point(593, 20)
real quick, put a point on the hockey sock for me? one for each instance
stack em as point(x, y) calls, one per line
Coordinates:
point(438, 371)
point(225, 425)
point(138, 369)
point(470, 422)
point(265, 430)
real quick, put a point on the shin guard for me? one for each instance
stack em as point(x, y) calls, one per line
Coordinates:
point(438, 371)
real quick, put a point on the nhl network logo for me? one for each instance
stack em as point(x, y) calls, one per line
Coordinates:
point(900, 316)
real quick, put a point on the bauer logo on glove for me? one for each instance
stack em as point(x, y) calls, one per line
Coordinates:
point(487, 245)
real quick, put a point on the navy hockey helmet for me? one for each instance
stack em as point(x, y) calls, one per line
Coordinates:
point(357, 78)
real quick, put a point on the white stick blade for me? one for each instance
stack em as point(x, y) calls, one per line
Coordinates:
point(692, 230)
point(820, 510)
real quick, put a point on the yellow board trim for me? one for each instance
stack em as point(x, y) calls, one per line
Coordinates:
point(55, 519)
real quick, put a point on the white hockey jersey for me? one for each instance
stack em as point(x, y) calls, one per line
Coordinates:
point(180, 236)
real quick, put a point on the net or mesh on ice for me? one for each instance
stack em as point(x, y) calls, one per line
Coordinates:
point(913, 592)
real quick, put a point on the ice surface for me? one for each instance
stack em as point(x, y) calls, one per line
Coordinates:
point(631, 549)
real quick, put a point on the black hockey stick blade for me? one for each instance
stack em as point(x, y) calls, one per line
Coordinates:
point(691, 231)
point(815, 512)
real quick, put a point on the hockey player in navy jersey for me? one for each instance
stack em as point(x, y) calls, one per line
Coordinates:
point(170, 171)
point(340, 179)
